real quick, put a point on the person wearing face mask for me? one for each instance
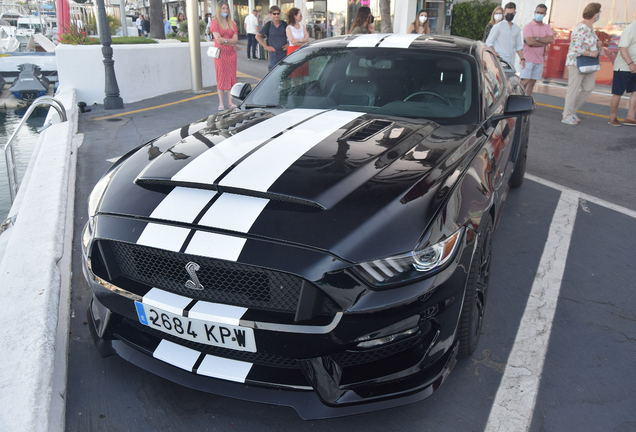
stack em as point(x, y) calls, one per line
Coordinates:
point(583, 42)
point(420, 25)
point(536, 36)
point(496, 17)
point(505, 37)
point(226, 38)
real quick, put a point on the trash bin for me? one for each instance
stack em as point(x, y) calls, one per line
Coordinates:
point(555, 61)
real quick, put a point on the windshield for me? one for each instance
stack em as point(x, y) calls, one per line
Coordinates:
point(400, 82)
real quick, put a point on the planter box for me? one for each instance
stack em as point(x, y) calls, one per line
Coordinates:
point(142, 71)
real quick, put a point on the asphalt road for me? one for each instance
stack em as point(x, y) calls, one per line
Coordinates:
point(584, 372)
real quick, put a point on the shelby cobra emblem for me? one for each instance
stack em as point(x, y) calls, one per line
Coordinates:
point(193, 282)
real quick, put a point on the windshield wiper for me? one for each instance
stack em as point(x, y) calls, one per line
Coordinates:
point(263, 106)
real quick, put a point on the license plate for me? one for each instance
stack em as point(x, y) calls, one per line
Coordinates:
point(205, 332)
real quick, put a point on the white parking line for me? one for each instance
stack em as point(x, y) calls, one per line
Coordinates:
point(517, 394)
point(582, 195)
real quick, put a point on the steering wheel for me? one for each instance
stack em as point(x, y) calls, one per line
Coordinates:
point(429, 93)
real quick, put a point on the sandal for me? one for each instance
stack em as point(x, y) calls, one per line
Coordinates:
point(221, 108)
point(569, 121)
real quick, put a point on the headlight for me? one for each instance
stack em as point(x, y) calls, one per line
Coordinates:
point(98, 191)
point(415, 264)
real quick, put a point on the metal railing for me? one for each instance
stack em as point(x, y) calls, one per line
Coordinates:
point(9, 155)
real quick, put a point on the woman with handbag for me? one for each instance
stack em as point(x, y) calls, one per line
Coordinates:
point(226, 39)
point(582, 62)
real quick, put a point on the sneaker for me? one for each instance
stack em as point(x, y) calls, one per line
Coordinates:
point(249, 58)
point(577, 118)
point(569, 121)
point(613, 122)
point(628, 122)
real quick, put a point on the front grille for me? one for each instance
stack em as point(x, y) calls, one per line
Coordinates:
point(353, 358)
point(250, 357)
point(224, 282)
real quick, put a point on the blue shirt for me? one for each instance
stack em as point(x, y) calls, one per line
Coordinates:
point(167, 27)
point(505, 40)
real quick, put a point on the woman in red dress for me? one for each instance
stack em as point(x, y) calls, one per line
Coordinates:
point(226, 38)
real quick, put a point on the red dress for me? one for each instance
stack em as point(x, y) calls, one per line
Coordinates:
point(225, 65)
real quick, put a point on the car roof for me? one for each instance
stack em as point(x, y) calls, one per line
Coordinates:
point(410, 41)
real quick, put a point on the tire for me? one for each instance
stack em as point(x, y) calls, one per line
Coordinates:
point(516, 179)
point(476, 292)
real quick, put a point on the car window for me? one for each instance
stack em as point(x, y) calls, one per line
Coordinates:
point(493, 81)
point(400, 82)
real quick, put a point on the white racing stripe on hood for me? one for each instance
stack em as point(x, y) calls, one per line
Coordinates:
point(262, 168)
point(217, 367)
point(182, 204)
point(216, 246)
point(176, 355)
point(163, 237)
point(398, 41)
point(366, 40)
point(234, 212)
point(212, 163)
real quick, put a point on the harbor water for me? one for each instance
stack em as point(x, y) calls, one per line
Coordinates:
point(23, 146)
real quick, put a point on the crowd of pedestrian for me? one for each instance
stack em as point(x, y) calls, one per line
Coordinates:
point(279, 37)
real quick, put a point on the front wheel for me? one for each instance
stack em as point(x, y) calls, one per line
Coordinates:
point(476, 291)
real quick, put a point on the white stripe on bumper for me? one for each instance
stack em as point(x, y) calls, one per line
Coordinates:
point(166, 301)
point(231, 370)
point(176, 355)
point(219, 313)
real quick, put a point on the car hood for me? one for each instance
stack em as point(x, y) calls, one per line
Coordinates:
point(355, 185)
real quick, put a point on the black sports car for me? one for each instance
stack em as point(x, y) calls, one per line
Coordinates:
point(327, 244)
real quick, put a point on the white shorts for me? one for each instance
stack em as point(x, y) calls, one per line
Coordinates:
point(532, 71)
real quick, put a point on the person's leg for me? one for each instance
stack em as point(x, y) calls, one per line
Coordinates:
point(616, 99)
point(221, 104)
point(587, 86)
point(631, 109)
point(250, 37)
point(574, 84)
point(529, 87)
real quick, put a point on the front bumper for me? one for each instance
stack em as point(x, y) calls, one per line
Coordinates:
point(318, 370)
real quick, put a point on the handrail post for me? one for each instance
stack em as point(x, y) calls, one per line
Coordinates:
point(12, 165)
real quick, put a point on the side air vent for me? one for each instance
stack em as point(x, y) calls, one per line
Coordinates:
point(369, 130)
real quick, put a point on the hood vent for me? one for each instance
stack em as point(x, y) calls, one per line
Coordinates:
point(162, 184)
point(368, 130)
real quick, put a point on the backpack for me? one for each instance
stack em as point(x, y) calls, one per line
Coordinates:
point(268, 25)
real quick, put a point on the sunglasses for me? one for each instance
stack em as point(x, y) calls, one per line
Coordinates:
point(275, 13)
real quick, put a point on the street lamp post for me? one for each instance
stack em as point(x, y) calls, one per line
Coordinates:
point(112, 99)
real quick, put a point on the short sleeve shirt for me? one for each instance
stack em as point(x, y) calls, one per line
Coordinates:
point(251, 22)
point(628, 40)
point(276, 37)
point(532, 30)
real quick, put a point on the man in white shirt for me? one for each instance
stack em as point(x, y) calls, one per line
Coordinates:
point(505, 37)
point(625, 77)
point(251, 27)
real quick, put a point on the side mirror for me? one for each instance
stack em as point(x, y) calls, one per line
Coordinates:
point(516, 105)
point(240, 91)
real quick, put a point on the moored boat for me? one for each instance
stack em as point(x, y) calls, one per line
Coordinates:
point(30, 84)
